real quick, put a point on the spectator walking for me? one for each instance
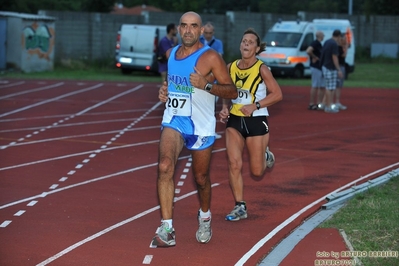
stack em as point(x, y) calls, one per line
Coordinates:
point(189, 121)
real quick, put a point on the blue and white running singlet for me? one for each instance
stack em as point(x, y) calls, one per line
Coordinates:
point(189, 110)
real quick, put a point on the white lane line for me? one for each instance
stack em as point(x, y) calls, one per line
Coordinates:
point(32, 203)
point(76, 154)
point(180, 183)
point(51, 100)
point(5, 223)
point(107, 230)
point(72, 93)
point(110, 99)
point(19, 213)
point(74, 136)
point(261, 242)
point(147, 259)
point(76, 185)
point(32, 90)
point(63, 179)
point(12, 84)
point(177, 190)
point(54, 186)
point(55, 116)
point(183, 176)
point(91, 181)
point(79, 166)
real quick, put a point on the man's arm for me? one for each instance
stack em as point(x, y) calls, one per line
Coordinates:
point(212, 62)
point(309, 51)
point(336, 65)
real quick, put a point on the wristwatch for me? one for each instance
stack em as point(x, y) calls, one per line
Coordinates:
point(208, 87)
point(257, 105)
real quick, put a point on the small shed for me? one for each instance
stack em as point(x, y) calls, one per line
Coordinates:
point(27, 41)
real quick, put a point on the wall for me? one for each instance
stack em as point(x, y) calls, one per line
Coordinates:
point(92, 35)
point(30, 41)
point(37, 46)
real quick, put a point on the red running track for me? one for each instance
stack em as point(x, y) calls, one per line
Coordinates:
point(79, 161)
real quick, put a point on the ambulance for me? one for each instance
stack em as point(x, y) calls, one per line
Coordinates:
point(287, 41)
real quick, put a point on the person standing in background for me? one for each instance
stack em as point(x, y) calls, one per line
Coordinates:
point(342, 50)
point(208, 38)
point(331, 70)
point(317, 89)
point(167, 42)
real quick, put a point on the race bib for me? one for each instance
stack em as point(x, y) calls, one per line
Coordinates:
point(179, 104)
point(244, 97)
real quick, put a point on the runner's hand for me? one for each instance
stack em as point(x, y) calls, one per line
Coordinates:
point(224, 114)
point(197, 79)
point(163, 92)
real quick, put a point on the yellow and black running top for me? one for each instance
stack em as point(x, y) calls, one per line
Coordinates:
point(251, 87)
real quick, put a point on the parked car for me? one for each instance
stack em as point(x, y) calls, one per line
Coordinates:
point(137, 47)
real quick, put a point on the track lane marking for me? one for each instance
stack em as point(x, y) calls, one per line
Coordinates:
point(44, 194)
point(32, 90)
point(93, 154)
point(106, 230)
point(51, 100)
point(12, 84)
point(79, 113)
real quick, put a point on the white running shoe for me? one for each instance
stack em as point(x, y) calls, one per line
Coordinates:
point(204, 232)
point(269, 161)
point(164, 236)
point(340, 106)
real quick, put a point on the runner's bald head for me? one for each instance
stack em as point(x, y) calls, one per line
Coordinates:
point(192, 15)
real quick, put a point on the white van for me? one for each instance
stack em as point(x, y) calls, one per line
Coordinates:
point(287, 42)
point(137, 47)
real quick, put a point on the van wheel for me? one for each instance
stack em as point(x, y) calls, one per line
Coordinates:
point(298, 72)
point(126, 71)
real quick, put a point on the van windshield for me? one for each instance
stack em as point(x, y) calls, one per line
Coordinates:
point(282, 39)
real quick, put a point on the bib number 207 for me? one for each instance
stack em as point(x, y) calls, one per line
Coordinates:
point(176, 103)
point(179, 104)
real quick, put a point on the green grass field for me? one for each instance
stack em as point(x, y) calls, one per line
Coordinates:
point(366, 75)
point(371, 222)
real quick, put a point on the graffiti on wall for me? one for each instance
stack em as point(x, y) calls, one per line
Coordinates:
point(38, 40)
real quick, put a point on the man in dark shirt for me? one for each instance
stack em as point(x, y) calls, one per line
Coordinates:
point(168, 41)
point(317, 89)
point(330, 68)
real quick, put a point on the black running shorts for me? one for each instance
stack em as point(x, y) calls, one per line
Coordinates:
point(249, 126)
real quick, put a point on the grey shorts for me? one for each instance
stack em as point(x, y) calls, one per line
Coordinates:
point(340, 81)
point(317, 77)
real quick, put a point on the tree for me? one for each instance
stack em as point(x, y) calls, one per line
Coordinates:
point(367, 7)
